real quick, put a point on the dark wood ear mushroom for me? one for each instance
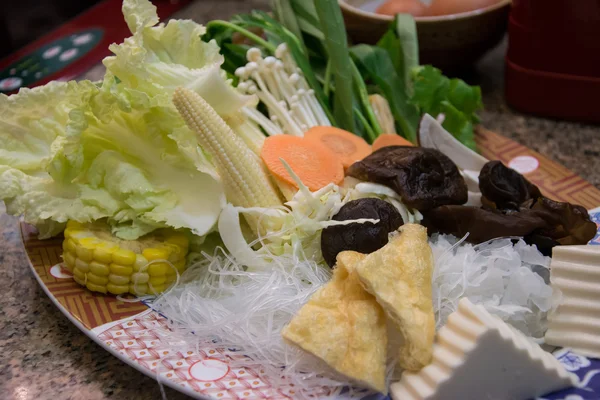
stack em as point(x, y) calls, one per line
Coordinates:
point(361, 237)
point(513, 206)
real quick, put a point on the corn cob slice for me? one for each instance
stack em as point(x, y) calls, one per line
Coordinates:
point(246, 182)
point(105, 264)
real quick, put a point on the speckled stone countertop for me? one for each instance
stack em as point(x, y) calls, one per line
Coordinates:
point(44, 356)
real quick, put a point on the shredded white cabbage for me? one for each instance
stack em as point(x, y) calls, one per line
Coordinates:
point(510, 281)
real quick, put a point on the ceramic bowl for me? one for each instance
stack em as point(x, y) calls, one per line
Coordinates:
point(449, 42)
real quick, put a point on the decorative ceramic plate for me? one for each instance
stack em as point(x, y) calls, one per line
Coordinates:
point(136, 334)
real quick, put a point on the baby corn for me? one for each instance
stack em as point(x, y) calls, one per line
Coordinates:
point(246, 182)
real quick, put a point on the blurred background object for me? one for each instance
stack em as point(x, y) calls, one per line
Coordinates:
point(451, 42)
point(24, 21)
point(60, 39)
point(553, 59)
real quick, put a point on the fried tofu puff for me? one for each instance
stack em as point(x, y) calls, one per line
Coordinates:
point(343, 325)
point(399, 276)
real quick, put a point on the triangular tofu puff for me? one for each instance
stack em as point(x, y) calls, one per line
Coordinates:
point(344, 326)
point(399, 276)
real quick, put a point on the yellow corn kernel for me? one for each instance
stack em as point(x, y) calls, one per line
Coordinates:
point(99, 268)
point(82, 265)
point(157, 280)
point(68, 233)
point(69, 259)
point(123, 257)
point(180, 265)
point(94, 287)
point(103, 254)
point(138, 288)
point(74, 225)
point(155, 289)
point(118, 279)
point(156, 254)
point(100, 264)
point(179, 240)
point(121, 270)
point(89, 242)
point(79, 280)
point(85, 253)
point(79, 274)
point(176, 253)
point(158, 269)
point(98, 280)
point(117, 289)
point(70, 246)
point(140, 263)
point(140, 277)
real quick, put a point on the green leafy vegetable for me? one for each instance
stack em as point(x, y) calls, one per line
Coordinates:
point(378, 68)
point(401, 43)
point(456, 122)
point(436, 94)
point(284, 13)
point(336, 42)
point(368, 120)
point(308, 20)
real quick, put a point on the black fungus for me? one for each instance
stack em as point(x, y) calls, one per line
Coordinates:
point(513, 206)
point(505, 187)
point(361, 237)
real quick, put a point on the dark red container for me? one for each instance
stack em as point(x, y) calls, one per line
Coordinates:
point(553, 59)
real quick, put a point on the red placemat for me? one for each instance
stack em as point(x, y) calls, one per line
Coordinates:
point(73, 48)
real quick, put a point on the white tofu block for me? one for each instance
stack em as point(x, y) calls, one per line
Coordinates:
point(575, 272)
point(478, 356)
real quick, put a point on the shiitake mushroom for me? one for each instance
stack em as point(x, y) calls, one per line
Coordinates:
point(424, 178)
point(361, 237)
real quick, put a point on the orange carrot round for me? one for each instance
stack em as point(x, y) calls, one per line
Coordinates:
point(315, 164)
point(349, 147)
point(389, 139)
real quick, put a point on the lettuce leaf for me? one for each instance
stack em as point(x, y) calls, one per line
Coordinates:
point(157, 59)
point(436, 94)
point(33, 128)
point(71, 150)
point(146, 161)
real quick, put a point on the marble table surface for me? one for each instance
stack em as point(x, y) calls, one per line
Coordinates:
point(43, 356)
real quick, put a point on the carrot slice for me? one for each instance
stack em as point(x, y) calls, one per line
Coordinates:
point(389, 139)
point(349, 147)
point(315, 164)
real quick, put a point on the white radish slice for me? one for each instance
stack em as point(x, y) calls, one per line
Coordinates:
point(432, 135)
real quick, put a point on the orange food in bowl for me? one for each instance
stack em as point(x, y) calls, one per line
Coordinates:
point(437, 7)
point(393, 7)
point(447, 7)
